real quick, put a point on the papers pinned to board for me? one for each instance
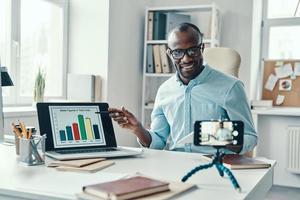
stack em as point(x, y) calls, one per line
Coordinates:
point(279, 100)
point(284, 71)
point(271, 82)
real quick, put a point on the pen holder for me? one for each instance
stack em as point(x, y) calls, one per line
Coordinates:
point(32, 151)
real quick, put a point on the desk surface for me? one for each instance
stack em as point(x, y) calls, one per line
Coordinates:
point(40, 182)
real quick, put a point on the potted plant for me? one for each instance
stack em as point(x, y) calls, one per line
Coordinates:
point(39, 86)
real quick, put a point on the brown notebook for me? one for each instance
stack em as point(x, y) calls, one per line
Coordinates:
point(235, 161)
point(94, 167)
point(127, 188)
point(75, 163)
point(176, 189)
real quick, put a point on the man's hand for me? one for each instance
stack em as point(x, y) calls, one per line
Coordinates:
point(124, 118)
point(127, 120)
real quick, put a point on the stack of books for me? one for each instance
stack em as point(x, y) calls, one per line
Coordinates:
point(160, 23)
point(157, 59)
point(137, 187)
point(82, 165)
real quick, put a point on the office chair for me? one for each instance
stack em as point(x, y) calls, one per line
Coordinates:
point(226, 60)
point(223, 59)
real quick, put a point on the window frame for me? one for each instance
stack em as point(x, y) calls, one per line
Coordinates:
point(268, 23)
point(14, 98)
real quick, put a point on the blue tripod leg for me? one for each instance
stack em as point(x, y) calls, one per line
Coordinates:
point(193, 171)
point(220, 170)
point(231, 177)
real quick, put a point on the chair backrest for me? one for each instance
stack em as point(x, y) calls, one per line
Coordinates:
point(224, 59)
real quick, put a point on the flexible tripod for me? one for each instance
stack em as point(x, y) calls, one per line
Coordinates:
point(218, 162)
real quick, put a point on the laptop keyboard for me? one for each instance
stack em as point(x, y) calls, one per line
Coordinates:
point(68, 151)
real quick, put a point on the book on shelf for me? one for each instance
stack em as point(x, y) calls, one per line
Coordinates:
point(129, 188)
point(157, 59)
point(159, 26)
point(236, 161)
point(150, 26)
point(174, 19)
point(150, 64)
point(164, 59)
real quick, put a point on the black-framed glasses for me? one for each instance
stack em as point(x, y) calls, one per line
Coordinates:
point(191, 52)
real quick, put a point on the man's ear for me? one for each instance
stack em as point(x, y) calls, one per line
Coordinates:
point(168, 52)
point(202, 47)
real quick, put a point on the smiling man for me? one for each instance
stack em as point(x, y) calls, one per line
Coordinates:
point(195, 92)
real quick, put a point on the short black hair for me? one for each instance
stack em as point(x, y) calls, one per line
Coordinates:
point(184, 27)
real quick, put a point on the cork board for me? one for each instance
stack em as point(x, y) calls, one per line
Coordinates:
point(292, 97)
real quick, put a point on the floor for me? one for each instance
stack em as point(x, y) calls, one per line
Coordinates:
point(283, 193)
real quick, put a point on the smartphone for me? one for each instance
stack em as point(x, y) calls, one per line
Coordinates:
point(219, 133)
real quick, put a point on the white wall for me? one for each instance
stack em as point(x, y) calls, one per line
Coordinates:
point(273, 144)
point(88, 43)
point(125, 56)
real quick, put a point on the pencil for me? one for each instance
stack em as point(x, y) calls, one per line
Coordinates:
point(102, 112)
point(16, 130)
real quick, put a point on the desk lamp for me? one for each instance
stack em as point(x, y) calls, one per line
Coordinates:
point(5, 81)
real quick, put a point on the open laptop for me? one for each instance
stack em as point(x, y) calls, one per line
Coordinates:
point(79, 130)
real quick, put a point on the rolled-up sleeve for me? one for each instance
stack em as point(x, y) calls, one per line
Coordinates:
point(160, 129)
point(237, 107)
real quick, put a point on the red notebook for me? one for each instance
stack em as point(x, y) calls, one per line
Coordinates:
point(127, 188)
point(235, 161)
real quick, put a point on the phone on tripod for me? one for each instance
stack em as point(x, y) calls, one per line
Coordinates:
point(219, 133)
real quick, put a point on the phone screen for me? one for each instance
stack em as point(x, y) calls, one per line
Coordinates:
point(218, 133)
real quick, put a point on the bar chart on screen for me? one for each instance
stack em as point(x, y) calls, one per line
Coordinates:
point(76, 125)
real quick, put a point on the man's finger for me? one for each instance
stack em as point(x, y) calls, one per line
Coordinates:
point(113, 110)
point(127, 112)
point(120, 120)
point(123, 123)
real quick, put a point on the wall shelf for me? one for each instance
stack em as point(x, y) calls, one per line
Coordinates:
point(280, 111)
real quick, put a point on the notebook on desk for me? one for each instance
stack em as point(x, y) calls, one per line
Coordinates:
point(75, 131)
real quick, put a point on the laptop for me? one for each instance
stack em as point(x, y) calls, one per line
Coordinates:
point(78, 131)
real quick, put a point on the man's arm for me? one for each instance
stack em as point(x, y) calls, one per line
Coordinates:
point(154, 138)
point(127, 120)
point(237, 108)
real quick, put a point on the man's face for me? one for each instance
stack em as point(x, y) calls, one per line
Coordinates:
point(189, 66)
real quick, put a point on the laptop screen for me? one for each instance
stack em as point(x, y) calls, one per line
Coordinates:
point(75, 126)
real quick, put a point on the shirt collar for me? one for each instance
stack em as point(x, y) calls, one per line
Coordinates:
point(199, 79)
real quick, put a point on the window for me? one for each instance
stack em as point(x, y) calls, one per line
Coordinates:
point(281, 29)
point(37, 41)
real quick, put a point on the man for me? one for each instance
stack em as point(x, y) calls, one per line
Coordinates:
point(195, 92)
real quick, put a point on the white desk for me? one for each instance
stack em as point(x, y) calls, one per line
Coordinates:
point(40, 182)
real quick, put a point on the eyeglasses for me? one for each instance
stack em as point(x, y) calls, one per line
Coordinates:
point(191, 52)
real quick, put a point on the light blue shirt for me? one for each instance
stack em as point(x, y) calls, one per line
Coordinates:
point(211, 95)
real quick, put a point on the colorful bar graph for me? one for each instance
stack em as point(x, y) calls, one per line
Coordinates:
point(96, 131)
point(76, 131)
point(82, 127)
point(89, 130)
point(62, 135)
point(69, 132)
